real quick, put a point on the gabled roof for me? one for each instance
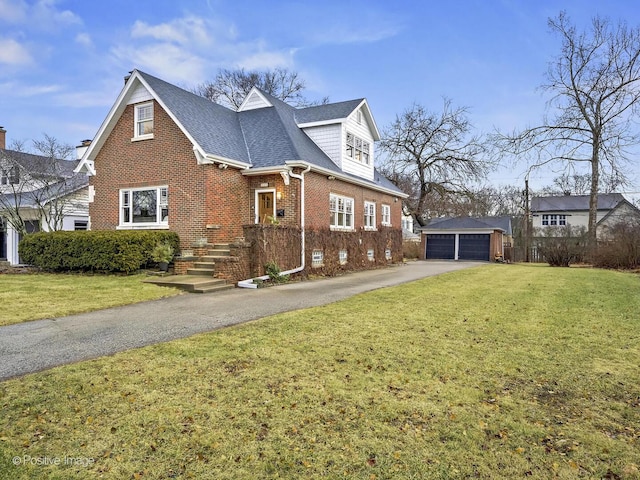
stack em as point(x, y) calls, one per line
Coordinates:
point(471, 223)
point(339, 112)
point(253, 138)
point(572, 203)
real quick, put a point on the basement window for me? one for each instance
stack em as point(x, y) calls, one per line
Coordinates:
point(371, 255)
point(317, 258)
point(343, 256)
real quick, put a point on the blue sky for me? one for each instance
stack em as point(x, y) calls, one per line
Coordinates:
point(62, 62)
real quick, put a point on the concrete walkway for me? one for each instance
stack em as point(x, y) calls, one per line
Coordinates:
point(34, 346)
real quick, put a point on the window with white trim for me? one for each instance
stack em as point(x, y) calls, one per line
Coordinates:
point(386, 215)
point(140, 207)
point(343, 257)
point(358, 149)
point(10, 176)
point(554, 219)
point(317, 258)
point(371, 255)
point(143, 121)
point(369, 215)
point(387, 253)
point(341, 209)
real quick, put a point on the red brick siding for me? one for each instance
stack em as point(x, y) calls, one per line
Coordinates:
point(205, 195)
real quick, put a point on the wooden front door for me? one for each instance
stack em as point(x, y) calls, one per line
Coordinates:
point(265, 207)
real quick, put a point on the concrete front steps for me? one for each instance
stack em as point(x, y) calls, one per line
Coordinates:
point(192, 283)
point(199, 279)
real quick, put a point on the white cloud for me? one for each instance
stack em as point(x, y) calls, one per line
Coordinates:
point(13, 53)
point(184, 31)
point(84, 39)
point(168, 61)
point(13, 11)
point(266, 60)
point(46, 16)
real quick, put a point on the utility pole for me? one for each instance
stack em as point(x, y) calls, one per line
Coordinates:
point(527, 233)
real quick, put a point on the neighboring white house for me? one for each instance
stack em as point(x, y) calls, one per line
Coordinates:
point(23, 183)
point(573, 210)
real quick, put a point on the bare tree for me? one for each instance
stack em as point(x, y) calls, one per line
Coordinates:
point(432, 154)
point(230, 87)
point(595, 87)
point(38, 185)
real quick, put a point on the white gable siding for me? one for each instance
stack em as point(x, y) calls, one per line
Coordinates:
point(577, 219)
point(254, 101)
point(327, 137)
point(140, 94)
point(360, 130)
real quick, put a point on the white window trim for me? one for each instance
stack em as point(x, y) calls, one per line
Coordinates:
point(554, 220)
point(371, 254)
point(370, 212)
point(334, 214)
point(343, 256)
point(136, 110)
point(386, 222)
point(317, 258)
point(161, 225)
point(360, 148)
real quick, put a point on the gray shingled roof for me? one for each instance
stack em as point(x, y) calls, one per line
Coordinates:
point(568, 203)
point(466, 223)
point(264, 137)
point(214, 127)
point(329, 111)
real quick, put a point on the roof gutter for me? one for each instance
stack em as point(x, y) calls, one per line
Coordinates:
point(345, 178)
point(249, 283)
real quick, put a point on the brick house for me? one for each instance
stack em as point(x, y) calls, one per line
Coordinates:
point(165, 158)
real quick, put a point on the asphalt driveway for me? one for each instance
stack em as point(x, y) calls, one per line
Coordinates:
point(34, 346)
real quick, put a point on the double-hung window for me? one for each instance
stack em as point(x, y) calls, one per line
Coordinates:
point(341, 210)
point(369, 215)
point(143, 121)
point(358, 149)
point(144, 207)
point(386, 215)
point(10, 176)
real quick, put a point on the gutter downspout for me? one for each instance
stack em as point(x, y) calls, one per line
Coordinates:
point(248, 283)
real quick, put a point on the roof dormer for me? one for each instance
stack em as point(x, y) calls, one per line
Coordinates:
point(254, 100)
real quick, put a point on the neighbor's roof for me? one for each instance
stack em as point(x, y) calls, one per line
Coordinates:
point(567, 203)
point(39, 164)
point(471, 223)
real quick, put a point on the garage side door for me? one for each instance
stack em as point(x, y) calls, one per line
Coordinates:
point(441, 246)
point(474, 246)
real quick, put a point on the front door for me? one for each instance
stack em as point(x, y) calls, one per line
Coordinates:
point(266, 208)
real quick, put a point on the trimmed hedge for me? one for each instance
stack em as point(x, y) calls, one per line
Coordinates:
point(102, 251)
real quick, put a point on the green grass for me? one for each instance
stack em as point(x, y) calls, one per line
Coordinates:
point(503, 371)
point(26, 297)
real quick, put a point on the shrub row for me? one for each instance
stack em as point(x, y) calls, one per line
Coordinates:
point(102, 251)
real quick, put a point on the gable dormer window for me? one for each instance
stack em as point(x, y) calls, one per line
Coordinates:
point(143, 121)
point(358, 149)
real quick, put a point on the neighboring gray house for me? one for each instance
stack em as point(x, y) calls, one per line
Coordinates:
point(573, 210)
point(466, 238)
point(48, 196)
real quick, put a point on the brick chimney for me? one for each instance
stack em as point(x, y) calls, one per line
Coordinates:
point(3, 138)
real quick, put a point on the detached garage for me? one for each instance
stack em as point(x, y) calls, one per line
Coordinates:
point(465, 238)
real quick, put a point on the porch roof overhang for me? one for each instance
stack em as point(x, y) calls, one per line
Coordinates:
point(207, 159)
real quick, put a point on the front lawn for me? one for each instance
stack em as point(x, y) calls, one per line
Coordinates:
point(35, 296)
point(503, 371)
